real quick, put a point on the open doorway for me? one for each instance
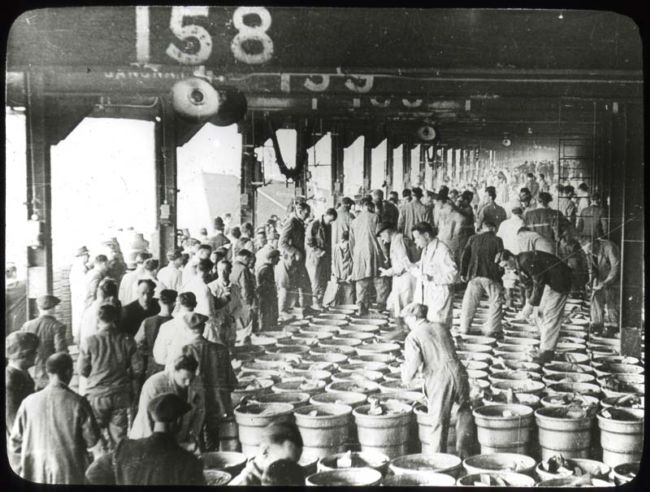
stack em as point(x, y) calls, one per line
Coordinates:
point(209, 178)
point(103, 182)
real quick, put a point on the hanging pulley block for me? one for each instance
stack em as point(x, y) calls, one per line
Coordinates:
point(197, 100)
point(427, 133)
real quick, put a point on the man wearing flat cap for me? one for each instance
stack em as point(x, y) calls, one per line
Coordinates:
point(402, 259)
point(267, 292)
point(215, 374)
point(51, 333)
point(153, 460)
point(20, 350)
point(146, 336)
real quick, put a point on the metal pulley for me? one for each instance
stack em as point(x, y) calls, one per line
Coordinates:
point(197, 100)
point(427, 133)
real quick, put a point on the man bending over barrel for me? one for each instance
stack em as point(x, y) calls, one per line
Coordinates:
point(445, 380)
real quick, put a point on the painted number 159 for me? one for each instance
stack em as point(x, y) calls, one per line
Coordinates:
point(194, 45)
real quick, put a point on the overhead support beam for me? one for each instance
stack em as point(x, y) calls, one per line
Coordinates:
point(387, 91)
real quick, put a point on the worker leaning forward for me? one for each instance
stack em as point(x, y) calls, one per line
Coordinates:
point(548, 284)
point(436, 273)
point(430, 346)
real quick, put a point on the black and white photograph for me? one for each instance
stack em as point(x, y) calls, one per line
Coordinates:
point(324, 246)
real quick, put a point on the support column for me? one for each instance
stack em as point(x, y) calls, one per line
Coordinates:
point(422, 165)
point(627, 205)
point(337, 164)
point(406, 163)
point(388, 178)
point(40, 275)
point(367, 163)
point(166, 183)
point(247, 190)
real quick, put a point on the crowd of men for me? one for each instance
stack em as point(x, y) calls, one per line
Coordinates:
point(154, 367)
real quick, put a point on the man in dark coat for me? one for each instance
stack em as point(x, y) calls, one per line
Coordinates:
point(547, 280)
point(154, 460)
point(134, 313)
point(319, 253)
point(146, 335)
point(291, 274)
point(20, 350)
point(478, 269)
point(267, 292)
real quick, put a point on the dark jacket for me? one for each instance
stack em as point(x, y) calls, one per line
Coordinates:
point(51, 334)
point(242, 277)
point(133, 314)
point(387, 212)
point(110, 361)
point(478, 256)
point(537, 269)
point(18, 385)
point(145, 339)
point(154, 460)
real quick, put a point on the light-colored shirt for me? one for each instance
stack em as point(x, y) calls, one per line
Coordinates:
point(170, 277)
point(170, 335)
point(508, 233)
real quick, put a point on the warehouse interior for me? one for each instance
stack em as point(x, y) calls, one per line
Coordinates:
point(316, 102)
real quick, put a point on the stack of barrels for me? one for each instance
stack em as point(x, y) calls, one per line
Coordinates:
point(576, 421)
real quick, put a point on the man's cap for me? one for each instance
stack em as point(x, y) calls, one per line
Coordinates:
point(82, 251)
point(167, 407)
point(168, 296)
point(20, 343)
point(174, 255)
point(272, 253)
point(384, 226)
point(47, 301)
point(195, 320)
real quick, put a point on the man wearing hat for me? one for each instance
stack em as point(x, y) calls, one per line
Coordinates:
point(20, 350)
point(50, 332)
point(401, 261)
point(53, 430)
point(173, 329)
point(154, 460)
point(430, 347)
point(170, 276)
point(262, 246)
point(219, 239)
point(344, 218)
point(77, 277)
point(134, 313)
point(319, 254)
point(225, 304)
point(93, 277)
point(111, 363)
point(267, 292)
point(367, 257)
point(215, 374)
point(136, 270)
point(179, 377)
point(412, 213)
point(146, 336)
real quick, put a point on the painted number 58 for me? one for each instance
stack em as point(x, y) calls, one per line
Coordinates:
point(252, 45)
